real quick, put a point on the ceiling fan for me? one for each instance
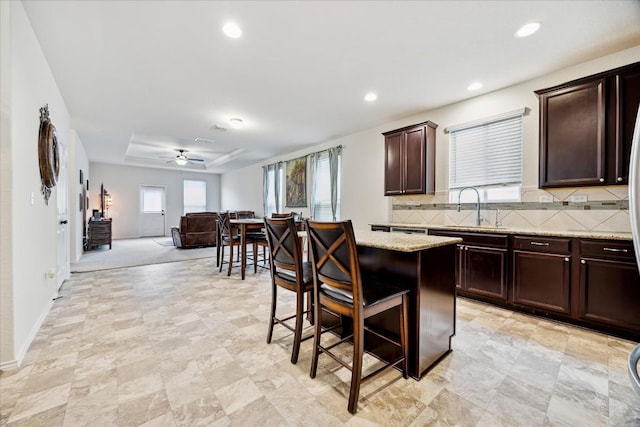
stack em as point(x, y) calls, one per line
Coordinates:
point(182, 159)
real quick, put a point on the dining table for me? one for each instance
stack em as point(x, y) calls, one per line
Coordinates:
point(244, 225)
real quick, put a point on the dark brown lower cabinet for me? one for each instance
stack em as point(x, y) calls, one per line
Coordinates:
point(481, 264)
point(542, 281)
point(542, 273)
point(484, 272)
point(609, 284)
point(590, 282)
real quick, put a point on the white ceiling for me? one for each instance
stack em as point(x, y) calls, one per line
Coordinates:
point(143, 78)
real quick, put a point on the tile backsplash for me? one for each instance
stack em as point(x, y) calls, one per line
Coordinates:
point(606, 209)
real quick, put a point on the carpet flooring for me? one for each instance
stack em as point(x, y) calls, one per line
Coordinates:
point(136, 252)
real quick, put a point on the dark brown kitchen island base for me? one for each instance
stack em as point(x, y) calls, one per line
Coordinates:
point(429, 275)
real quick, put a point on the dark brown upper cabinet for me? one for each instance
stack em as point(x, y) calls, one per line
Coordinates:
point(586, 127)
point(410, 160)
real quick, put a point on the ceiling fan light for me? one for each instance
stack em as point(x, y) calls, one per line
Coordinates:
point(236, 123)
point(181, 162)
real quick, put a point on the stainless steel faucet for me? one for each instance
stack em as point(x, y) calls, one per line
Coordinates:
point(479, 219)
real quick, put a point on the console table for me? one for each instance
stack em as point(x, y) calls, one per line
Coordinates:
point(99, 233)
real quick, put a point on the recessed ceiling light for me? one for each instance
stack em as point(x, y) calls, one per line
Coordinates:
point(527, 29)
point(232, 30)
point(474, 86)
point(236, 123)
point(370, 97)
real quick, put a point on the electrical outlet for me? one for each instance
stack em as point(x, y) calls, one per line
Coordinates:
point(579, 198)
point(546, 199)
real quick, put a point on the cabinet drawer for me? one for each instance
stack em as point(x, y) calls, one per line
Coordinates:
point(542, 244)
point(621, 250)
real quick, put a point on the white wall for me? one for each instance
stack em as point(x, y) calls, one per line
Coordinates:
point(26, 293)
point(78, 161)
point(123, 184)
point(363, 155)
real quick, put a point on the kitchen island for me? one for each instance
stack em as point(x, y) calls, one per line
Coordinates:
point(425, 265)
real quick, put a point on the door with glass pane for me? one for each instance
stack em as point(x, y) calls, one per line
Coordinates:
point(152, 219)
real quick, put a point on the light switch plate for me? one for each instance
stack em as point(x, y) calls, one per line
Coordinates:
point(579, 198)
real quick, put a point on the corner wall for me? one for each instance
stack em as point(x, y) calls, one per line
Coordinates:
point(26, 292)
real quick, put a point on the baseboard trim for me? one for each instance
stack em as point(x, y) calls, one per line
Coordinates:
point(9, 365)
point(32, 334)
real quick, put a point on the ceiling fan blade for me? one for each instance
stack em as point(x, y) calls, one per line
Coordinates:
point(195, 160)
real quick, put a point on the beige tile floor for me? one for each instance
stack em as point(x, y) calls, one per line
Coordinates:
point(180, 345)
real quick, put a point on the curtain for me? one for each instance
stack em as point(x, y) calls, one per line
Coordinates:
point(277, 171)
point(314, 178)
point(265, 189)
point(334, 158)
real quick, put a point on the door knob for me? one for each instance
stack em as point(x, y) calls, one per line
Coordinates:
point(64, 221)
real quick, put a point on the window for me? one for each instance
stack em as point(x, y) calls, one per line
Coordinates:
point(152, 199)
point(487, 155)
point(272, 205)
point(321, 198)
point(195, 196)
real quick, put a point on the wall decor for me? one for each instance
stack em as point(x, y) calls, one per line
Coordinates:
point(48, 156)
point(80, 202)
point(296, 179)
point(87, 185)
point(81, 177)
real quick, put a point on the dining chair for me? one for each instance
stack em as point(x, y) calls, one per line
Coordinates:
point(246, 214)
point(289, 272)
point(228, 236)
point(340, 287)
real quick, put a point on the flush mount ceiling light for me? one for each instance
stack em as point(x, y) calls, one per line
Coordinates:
point(236, 123)
point(232, 30)
point(527, 29)
point(370, 97)
point(474, 86)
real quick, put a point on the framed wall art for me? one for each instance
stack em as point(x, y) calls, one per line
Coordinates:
point(296, 180)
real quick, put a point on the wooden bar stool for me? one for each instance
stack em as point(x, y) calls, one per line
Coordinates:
point(340, 288)
point(288, 271)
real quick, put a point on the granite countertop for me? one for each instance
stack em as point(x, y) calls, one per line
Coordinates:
point(402, 242)
point(398, 241)
point(519, 231)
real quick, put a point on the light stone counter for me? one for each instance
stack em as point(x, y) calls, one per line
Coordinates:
point(518, 231)
point(398, 241)
point(402, 242)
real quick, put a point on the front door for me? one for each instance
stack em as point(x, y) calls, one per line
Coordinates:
point(152, 201)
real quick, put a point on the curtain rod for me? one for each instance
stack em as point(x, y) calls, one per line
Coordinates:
point(306, 155)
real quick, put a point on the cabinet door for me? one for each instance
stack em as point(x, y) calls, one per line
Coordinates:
point(485, 272)
point(542, 281)
point(572, 135)
point(414, 164)
point(627, 91)
point(610, 292)
point(394, 164)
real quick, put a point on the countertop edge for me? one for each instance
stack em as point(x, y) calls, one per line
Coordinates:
point(601, 235)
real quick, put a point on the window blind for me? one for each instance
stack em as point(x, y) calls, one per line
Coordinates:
point(486, 153)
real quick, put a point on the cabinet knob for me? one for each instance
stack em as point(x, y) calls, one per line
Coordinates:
point(583, 261)
point(601, 180)
point(566, 259)
point(619, 179)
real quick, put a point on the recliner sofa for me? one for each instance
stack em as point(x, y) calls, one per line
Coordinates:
point(197, 229)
